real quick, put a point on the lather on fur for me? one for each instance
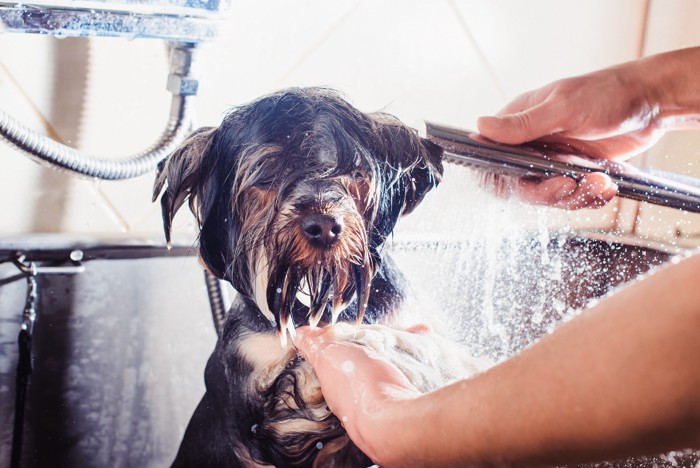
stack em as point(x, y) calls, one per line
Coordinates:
point(295, 195)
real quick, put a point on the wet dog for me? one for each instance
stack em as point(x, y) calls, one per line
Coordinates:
point(295, 195)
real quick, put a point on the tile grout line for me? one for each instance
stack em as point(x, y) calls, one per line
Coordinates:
point(50, 130)
point(110, 207)
point(311, 49)
point(479, 52)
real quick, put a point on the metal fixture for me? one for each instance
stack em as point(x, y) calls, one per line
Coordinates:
point(24, 340)
point(543, 160)
point(218, 300)
point(190, 21)
point(184, 23)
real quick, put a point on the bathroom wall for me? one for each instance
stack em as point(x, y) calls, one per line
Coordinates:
point(447, 61)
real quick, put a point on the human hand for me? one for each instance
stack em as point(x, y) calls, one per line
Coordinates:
point(360, 387)
point(609, 114)
point(594, 191)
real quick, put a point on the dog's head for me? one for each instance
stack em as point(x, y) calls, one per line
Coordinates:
point(295, 194)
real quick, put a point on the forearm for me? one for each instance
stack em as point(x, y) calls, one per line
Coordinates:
point(673, 83)
point(621, 379)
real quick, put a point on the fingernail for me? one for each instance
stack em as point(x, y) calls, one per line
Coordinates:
point(607, 193)
point(566, 190)
point(595, 190)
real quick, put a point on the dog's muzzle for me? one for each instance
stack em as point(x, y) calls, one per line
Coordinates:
point(319, 258)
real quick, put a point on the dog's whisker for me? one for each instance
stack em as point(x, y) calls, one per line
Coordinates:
point(325, 285)
point(360, 291)
point(292, 282)
point(337, 308)
point(281, 295)
point(286, 327)
point(313, 280)
point(275, 297)
point(283, 329)
point(323, 295)
point(316, 317)
point(366, 272)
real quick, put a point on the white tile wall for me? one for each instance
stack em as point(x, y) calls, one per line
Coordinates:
point(531, 43)
point(448, 61)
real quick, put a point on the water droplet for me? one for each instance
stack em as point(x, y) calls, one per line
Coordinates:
point(76, 255)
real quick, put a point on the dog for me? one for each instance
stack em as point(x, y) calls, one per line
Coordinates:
point(295, 195)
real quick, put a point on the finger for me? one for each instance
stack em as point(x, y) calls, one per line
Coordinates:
point(419, 328)
point(547, 192)
point(356, 379)
point(620, 147)
point(308, 342)
point(336, 360)
point(527, 125)
point(594, 191)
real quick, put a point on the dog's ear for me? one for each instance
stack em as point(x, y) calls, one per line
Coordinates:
point(182, 172)
point(424, 175)
point(417, 160)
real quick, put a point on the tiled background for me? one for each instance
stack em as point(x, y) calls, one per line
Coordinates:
point(448, 61)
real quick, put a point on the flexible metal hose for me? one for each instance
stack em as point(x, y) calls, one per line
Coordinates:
point(45, 149)
point(217, 300)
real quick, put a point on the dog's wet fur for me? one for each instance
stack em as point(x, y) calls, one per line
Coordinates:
point(295, 195)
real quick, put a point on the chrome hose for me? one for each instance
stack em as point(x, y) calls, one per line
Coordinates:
point(45, 149)
point(217, 300)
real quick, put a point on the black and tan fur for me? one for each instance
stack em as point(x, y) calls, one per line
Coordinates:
point(295, 195)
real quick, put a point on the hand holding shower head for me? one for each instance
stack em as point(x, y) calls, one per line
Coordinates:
point(538, 160)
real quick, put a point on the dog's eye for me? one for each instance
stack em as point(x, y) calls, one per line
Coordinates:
point(267, 181)
point(265, 184)
point(359, 175)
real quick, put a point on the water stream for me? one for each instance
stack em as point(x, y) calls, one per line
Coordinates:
point(495, 273)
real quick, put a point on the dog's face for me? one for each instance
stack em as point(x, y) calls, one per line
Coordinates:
point(295, 195)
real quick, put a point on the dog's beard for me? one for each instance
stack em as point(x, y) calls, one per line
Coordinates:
point(287, 269)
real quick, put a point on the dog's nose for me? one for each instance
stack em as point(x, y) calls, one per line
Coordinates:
point(321, 230)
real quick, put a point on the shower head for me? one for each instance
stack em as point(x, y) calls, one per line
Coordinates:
point(542, 161)
point(189, 21)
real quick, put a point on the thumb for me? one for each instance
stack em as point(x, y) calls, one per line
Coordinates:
point(519, 127)
point(511, 129)
point(305, 341)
